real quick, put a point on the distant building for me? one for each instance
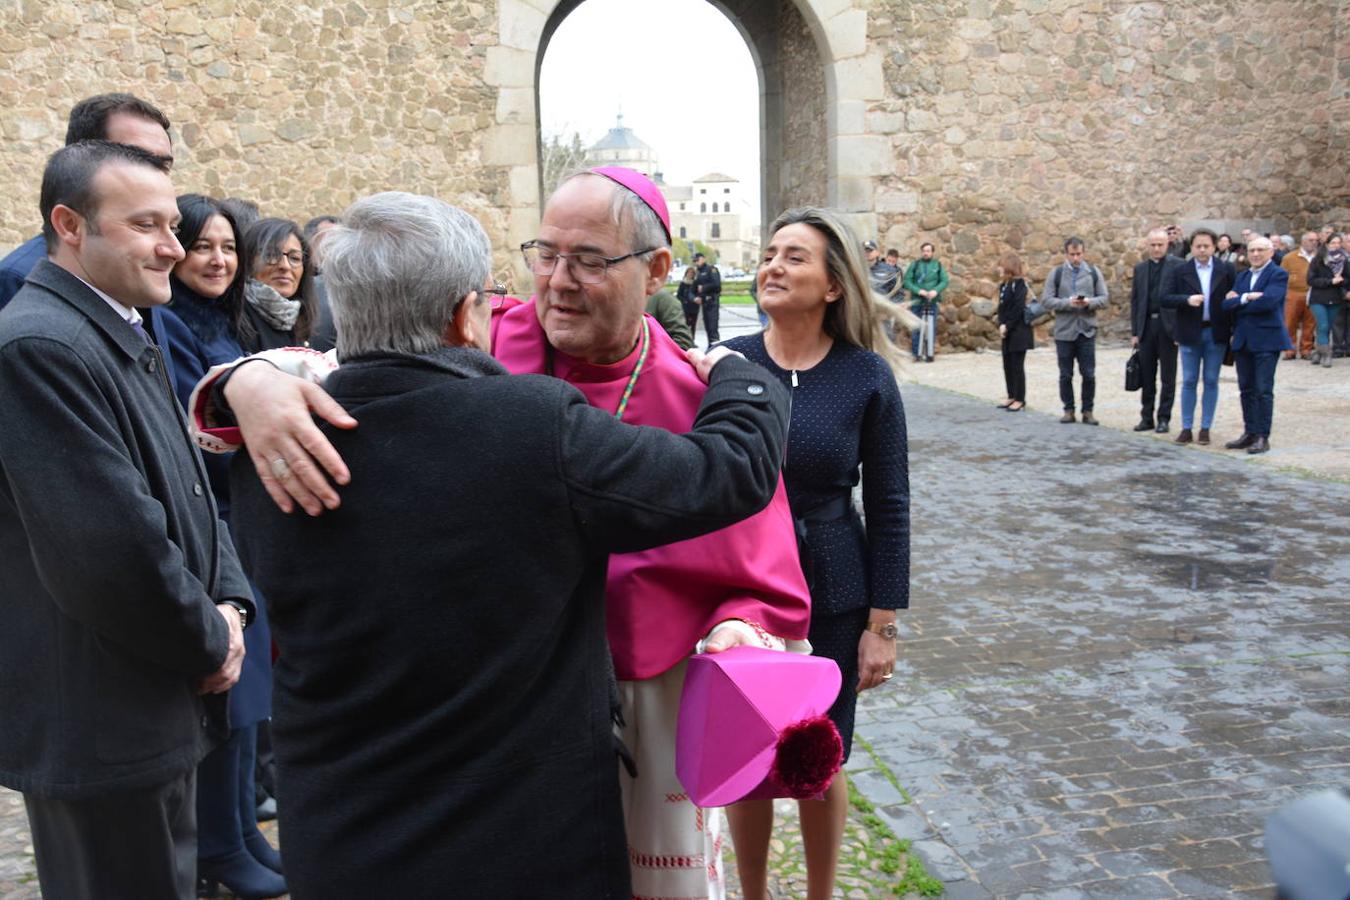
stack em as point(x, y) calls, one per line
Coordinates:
point(712, 210)
point(621, 147)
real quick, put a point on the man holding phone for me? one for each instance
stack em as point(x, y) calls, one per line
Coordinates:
point(1075, 291)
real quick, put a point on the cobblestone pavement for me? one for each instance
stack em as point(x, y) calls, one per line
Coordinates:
point(1312, 405)
point(1121, 656)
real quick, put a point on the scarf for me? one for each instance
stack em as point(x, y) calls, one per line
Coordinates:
point(276, 310)
point(1336, 261)
point(205, 318)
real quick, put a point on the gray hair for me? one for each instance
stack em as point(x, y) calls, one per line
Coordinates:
point(1288, 241)
point(395, 269)
point(637, 222)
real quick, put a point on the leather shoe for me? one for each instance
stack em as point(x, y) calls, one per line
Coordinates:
point(1089, 420)
point(1260, 445)
point(1241, 443)
point(1204, 437)
point(1163, 426)
point(1068, 418)
point(1183, 436)
point(1144, 425)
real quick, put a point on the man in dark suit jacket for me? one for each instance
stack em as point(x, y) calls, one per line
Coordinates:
point(454, 683)
point(124, 119)
point(1194, 292)
point(123, 601)
point(1151, 330)
point(1256, 305)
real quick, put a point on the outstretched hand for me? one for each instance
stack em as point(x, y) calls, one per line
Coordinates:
point(289, 452)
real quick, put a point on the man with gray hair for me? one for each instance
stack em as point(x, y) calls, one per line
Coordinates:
point(1256, 310)
point(1297, 313)
point(603, 247)
point(443, 669)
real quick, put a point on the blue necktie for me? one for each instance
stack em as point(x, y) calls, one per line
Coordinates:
point(140, 329)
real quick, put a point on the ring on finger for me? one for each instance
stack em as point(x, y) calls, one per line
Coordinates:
point(281, 469)
point(888, 676)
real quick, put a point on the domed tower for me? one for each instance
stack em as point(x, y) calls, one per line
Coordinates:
point(621, 147)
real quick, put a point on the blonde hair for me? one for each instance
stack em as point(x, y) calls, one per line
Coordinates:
point(860, 316)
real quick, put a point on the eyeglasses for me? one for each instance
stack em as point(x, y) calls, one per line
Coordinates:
point(295, 259)
point(496, 294)
point(588, 268)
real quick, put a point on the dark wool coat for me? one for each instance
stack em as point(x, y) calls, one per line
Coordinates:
point(1012, 304)
point(442, 708)
point(112, 557)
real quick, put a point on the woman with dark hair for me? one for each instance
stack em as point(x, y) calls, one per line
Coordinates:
point(208, 296)
point(827, 341)
point(279, 295)
point(1225, 251)
point(1015, 331)
point(1327, 282)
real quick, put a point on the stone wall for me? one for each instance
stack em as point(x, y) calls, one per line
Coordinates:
point(301, 107)
point(983, 125)
point(1016, 124)
point(803, 180)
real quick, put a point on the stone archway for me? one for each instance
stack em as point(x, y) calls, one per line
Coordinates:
point(817, 74)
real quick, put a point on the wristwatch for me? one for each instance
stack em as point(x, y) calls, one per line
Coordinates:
point(885, 629)
point(243, 613)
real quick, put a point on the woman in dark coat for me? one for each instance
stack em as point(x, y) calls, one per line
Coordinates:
point(1017, 334)
point(827, 341)
point(208, 296)
point(280, 306)
point(444, 692)
point(687, 294)
point(1328, 279)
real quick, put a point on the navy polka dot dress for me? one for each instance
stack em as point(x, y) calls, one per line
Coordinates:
point(846, 415)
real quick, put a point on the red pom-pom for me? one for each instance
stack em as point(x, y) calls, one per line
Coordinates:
point(807, 757)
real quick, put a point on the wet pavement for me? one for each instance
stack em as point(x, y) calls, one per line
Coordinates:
point(1121, 656)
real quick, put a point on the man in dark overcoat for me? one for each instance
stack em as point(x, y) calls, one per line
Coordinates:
point(1153, 332)
point(122, 598)
point(443, 691)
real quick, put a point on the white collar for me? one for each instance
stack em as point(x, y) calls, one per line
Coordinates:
point(129, 314)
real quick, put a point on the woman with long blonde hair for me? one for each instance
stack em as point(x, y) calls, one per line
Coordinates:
point(827, 341)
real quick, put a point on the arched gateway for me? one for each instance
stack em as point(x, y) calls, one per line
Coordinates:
point(816, 76)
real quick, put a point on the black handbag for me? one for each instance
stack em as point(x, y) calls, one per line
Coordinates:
point(1133, 381)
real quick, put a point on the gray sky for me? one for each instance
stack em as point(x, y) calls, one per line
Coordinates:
point(679, 70)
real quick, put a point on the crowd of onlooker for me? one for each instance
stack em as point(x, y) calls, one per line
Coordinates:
point(1203, 298)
